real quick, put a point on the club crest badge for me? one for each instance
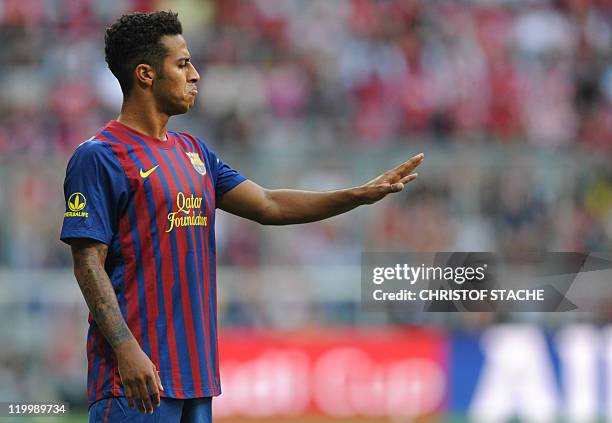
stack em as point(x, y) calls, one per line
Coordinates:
point(197, 163)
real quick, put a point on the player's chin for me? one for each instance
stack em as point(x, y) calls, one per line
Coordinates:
point(190, 102)
point(182, 108)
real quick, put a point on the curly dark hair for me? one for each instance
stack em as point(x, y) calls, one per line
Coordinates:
point(134, 39)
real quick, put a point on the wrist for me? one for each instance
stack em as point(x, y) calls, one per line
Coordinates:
point(358, 195)
point(126, 347)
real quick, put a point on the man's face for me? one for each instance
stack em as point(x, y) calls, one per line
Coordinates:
point(175, 88)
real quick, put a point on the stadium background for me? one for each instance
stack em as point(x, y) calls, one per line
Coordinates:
point(510, 100)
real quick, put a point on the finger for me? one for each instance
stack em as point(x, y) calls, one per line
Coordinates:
point(409, 165)
point(139, 394)
point(153, 390)
point(158, 380)
point(129, 396)
point(145, 397)
point(140, 404)
point(398, 186)
point(386, 189)
point(409, 178)
point(136, 401)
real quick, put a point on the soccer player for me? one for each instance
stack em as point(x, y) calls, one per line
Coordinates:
point(140, 217)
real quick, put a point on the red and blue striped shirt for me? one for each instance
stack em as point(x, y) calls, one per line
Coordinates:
point(153, 203)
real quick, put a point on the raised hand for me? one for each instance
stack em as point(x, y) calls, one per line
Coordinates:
point(391, 181)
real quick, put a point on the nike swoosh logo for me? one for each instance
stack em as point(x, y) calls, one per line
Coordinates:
point(146, 174)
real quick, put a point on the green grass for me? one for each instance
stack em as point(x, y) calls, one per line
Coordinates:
point(71, 418)
point(81, 417)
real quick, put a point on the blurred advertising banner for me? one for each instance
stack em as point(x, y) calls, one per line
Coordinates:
point(495, 375)
point(338, 373)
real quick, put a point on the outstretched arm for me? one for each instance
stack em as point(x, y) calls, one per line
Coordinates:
point(285, 207)
point(138, 373)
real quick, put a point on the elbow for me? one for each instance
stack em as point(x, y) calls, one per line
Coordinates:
point(82, 271)
point(267, 214)
point(276, 220)
point(272, 222)
point(77, 271)
point(263, 221)
point(266, 218)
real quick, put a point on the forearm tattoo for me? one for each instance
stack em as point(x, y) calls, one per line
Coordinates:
point(98, 291)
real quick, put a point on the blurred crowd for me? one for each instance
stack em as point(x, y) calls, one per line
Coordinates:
point(511, 100)
point(338, 81)
point(355, 72)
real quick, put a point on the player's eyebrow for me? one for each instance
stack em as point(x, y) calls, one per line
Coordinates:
point(186, 59)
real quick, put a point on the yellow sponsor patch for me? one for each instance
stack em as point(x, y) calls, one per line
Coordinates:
point(76, 203)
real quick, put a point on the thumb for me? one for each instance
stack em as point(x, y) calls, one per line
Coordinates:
point(397, 187)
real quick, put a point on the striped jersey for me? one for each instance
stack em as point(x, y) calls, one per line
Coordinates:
point(153, 203)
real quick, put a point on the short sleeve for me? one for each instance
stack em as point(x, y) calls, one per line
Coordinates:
point(95, 193)
point(224, 176)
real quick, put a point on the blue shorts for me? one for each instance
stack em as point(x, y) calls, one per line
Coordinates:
point(111, 410)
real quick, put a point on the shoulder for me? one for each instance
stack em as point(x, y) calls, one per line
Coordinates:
point(92, 147)
point(93, 153)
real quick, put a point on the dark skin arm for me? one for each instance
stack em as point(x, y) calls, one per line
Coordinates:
point(285, 207)
point(138, 373)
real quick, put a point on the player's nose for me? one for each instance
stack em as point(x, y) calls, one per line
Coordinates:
point(193, 76)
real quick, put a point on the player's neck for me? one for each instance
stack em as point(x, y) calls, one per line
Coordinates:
point(149, 122)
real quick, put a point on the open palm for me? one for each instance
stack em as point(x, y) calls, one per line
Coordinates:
point(392, 180)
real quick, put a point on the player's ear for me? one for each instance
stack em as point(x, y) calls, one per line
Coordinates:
point(144, 74)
